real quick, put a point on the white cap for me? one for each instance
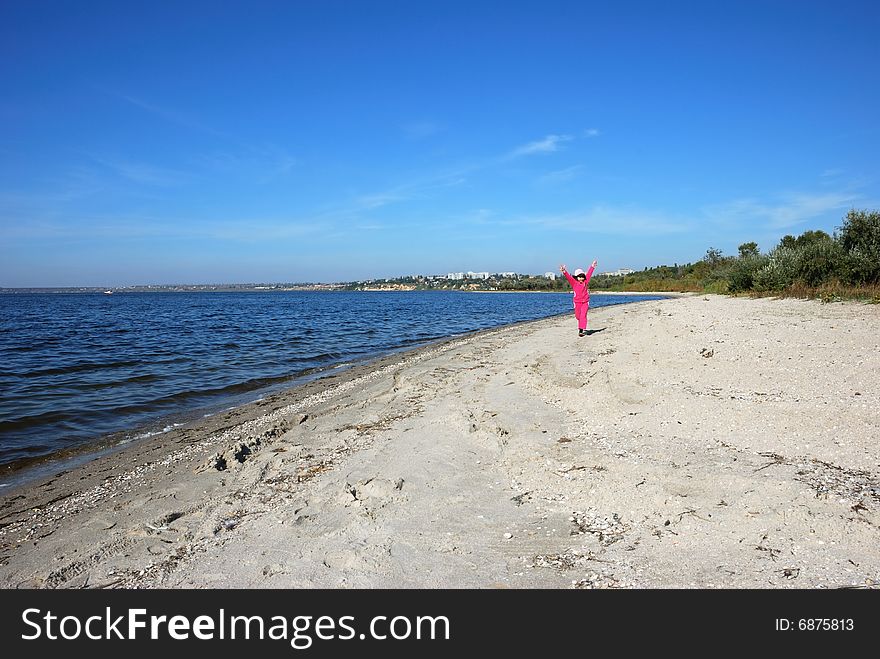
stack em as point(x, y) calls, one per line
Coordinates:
point(579, 272)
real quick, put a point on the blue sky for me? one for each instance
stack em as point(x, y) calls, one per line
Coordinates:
point(206, 142)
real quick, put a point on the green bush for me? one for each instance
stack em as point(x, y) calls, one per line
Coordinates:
point(860, 267)
point(861, 231)
point(819, 262)
point(779, 271)
point(742, 273)
point(859, 238)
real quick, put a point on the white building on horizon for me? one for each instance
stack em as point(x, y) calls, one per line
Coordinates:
point(550, 275)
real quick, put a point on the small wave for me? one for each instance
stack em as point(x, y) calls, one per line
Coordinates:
point(137, 379)
point(151, 433)
point(319, 357)
point(78, 368)
point(28, 421)
point(183, 398)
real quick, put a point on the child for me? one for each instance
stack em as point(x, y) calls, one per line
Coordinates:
point(579, 284)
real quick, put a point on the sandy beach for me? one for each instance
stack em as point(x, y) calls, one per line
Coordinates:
point(693, 442)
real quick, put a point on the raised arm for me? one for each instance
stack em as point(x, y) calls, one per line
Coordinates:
point(590, 270)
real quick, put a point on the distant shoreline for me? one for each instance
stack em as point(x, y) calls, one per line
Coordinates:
point(168, 289)
point(317, 288)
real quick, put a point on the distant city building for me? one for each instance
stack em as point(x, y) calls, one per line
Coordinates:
point(618, 273)
point(550, 275)
point(507, 274)
point(478, 275)
point(455, 275)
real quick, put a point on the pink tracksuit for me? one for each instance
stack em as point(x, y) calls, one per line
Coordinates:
point(581, 297)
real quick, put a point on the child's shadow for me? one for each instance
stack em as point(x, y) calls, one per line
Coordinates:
point(590, 332)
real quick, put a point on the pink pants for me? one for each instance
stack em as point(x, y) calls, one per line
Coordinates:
point(580, 312)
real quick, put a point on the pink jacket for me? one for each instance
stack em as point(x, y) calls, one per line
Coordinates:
point(581, 291)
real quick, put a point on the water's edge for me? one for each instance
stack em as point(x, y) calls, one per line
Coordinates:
point(19, 473)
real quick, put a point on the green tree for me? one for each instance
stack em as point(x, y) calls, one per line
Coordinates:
point(713, 257)
point(808, 238)
point(779, 271)
point(812, 258)
point(748, 250)
point(859, 238)
point(819, 261)
point(741, 275)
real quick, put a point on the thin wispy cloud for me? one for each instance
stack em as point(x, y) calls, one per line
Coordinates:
point(144, 173)
point(789, 212)
point(269, 162)
point(549, 144)
point(604, 219)
point(422, 188)
point(146, 227)
point(375, 227)
point(257, 230)
point(261, 165)
point(428, 186)
point(265, 161)
point(171, 116)
point(561, 175)
point(77, 184)
point(592, 132)
point(371, 201)
point(90, 226)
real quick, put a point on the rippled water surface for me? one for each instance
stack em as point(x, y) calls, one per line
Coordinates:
point(74, 367)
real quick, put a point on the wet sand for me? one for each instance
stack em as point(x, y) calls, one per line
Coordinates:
point(695, 442)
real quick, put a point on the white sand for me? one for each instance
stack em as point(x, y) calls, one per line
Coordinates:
point(695, 442)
